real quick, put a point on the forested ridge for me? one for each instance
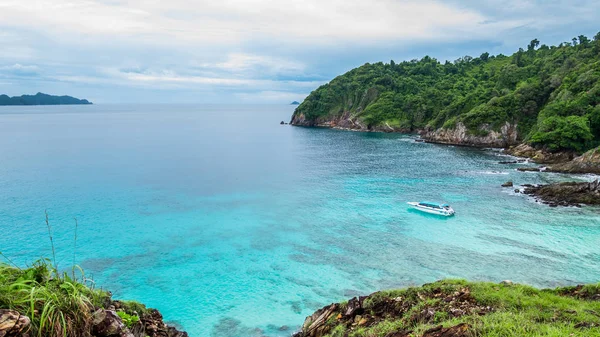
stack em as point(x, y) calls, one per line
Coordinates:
point(552, 94)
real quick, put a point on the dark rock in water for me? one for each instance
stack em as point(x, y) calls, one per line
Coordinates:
point(12, 323)
point(517, 190)
point(567, 194)
point(528, 185)
point(420, 140)
point(529, 169)
point(508, 184)
point(106, 323)
point(282, 123)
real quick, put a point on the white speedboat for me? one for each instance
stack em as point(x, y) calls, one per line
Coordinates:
point(433, 208)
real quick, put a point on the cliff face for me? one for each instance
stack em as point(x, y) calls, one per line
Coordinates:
point(459, 135)
point(487, 137)
point(346, 121)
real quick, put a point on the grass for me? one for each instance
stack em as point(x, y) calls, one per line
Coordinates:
point(57, 304)
point(491, 310)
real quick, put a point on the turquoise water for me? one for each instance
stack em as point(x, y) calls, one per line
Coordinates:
point(233, 225)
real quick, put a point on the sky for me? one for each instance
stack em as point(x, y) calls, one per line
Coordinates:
point(253, 51)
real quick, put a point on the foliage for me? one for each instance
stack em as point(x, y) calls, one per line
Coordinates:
point(128, 320)
point(526, 88)
point(58, 305)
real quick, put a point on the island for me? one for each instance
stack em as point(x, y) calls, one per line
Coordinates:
point(295, 103)
point(545, 96)
point(41, 99)
point(542, 103)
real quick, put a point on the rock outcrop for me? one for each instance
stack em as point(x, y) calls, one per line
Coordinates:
point(539, 156)
point(589, 162)
point(567, 194)
point(106, 323)
point(154, 326)
point(12, 323)
point(346, 121)
point(368, 311)
point(460, 135)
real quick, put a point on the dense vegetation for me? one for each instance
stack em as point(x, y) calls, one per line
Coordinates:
point(41, 99)
point(463, 309)
point(551, 93)
point(58, 304)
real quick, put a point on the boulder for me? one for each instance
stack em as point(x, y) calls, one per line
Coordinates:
point(106, 323)
point(282, 123)
point(12, 323)
point(508, 184)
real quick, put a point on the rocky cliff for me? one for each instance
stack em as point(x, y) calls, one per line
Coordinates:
point(455, 308)
point(345, 121)
point(485, 137)
point(589, 162)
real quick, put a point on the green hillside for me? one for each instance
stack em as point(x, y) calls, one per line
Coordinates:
point(551, 93)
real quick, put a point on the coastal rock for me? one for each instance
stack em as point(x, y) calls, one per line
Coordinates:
point(369, 311)
point(154, 326)
point(345, 121)
point(589, 162)
point(567, 193)
point(282, 123)
point(106, 323)
point(460, 135)
point(508, 184)
point(12, 323)
point(539, 156)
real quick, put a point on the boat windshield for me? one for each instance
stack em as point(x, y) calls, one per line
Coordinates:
point(429, 204)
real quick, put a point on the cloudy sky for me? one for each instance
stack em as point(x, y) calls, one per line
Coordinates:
point(253, 51)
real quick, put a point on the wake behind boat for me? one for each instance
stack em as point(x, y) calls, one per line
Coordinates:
point(433, 208)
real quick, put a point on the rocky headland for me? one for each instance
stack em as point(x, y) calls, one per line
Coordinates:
point(456, 308)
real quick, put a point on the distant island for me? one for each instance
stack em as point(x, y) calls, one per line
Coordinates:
point(41, 99)
point(295, 103)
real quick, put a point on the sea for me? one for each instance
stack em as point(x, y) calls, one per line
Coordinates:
point(233, 225)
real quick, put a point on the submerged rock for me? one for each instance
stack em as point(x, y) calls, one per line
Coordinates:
point(567, 194)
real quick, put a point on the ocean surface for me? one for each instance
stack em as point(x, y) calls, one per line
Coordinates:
point(233, 225)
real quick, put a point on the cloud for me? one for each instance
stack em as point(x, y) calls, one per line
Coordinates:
point(19, 70)
point(256, 49)
point(226, 21)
